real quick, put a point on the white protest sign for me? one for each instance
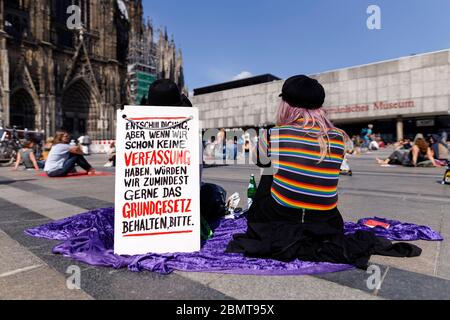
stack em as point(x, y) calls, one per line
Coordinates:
point(157, 205)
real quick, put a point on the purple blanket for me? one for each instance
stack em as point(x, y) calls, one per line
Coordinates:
point(89, 238)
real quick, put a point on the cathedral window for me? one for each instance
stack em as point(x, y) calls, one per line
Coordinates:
point(16, 19)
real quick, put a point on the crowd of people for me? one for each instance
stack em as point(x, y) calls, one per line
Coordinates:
point(425, 152)
point(366, 141)
point(60, 156)
point(228, 148)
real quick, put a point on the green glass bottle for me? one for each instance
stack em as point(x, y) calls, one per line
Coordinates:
point(251, 191)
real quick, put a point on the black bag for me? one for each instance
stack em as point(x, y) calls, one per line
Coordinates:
point(212, 202)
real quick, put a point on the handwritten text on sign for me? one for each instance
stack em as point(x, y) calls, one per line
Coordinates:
point(157, 181)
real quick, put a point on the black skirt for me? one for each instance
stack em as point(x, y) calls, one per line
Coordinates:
point(285, 234)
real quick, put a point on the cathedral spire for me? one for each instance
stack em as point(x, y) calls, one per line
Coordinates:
point(156, 50)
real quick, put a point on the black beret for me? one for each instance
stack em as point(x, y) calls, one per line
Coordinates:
point(165, 92)
point(303, 92)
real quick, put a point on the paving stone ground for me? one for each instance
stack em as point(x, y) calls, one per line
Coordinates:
point(28, 269)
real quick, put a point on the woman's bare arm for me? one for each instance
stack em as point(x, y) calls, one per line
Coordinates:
point(430, 155)
point(33, 160)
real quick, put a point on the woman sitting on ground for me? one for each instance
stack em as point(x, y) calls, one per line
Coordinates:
point(27, 157)
point(439, 148)
point(420, 152)
point(294, 214)
point(62, 157)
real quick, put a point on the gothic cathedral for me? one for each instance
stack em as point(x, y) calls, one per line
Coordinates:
point(53, 77)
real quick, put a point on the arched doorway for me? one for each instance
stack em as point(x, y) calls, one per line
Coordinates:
point(79, 109)
point(22, 113)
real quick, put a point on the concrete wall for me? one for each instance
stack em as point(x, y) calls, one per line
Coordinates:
point(248, 106)
point(410, 86)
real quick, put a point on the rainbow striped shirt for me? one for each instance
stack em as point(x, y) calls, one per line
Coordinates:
point(300, 181)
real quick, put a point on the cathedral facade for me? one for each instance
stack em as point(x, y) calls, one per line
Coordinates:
point(53, 77)
point(153, 56)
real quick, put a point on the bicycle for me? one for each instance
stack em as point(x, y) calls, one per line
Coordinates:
point(9, 149)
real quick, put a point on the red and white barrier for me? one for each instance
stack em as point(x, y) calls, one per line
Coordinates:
point(100, 146)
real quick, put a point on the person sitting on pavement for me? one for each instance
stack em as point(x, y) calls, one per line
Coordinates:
point(294, 214)
point(373, 145)
point(420, 153)
point(27, 157)
point(443, 147)
point(47, 147)
point(439, 147)
point(407, 145)
point(403, 144)
point(399, 144)
point(381, 142)
point(63, 157)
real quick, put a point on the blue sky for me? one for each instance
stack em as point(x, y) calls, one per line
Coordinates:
point(223, 38)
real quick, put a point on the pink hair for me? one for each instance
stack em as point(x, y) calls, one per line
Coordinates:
point(288, 115)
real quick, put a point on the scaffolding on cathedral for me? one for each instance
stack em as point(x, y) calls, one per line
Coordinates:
point(150, 59)
point(142, 63)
